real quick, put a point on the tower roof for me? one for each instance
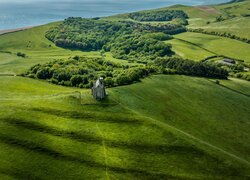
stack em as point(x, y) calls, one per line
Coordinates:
point(99, 82)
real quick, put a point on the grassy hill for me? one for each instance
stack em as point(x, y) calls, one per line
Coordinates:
point(198, 46)
point(37, 48)
point(236, 19)
point(165, 127)
point(139, 132)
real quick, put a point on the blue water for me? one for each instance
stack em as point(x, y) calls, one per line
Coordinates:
point(22, 13)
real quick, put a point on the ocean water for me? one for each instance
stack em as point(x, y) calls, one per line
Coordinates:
point(22, 13)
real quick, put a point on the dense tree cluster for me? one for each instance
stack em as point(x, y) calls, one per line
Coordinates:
point(225, 34)
point(86, 34)
point(137, 46)
point(192, 68)
point(97, 34)
point(82, 72)
point(158, 15)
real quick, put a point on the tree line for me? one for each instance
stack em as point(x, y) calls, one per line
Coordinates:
point(82, 72)
point(159, 15)
point(192, 68)
point(222, 34)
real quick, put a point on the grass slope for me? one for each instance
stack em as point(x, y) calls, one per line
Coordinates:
point(38, 49)
point(197, 106)
point(187, 50)
point(47, 132)
point(236, 21)
point(217, 45)
point(166, 127)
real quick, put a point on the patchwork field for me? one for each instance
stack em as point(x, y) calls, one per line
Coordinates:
point(189, 50)
point(238, 26)
point(216, 45)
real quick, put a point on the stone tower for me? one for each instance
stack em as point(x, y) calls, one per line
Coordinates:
point(98, 90)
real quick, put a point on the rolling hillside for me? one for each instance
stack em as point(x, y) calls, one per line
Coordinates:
point(198, 46)
point(48, 128)
point(164, 127)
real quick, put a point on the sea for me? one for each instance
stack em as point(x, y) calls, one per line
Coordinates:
point(23, 13)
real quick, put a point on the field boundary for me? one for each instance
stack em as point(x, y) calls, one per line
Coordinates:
point(188, 42)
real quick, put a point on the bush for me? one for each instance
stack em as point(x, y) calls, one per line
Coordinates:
point(33, 76)
point(188, 67)
point(19, 54)
point(44, 73)
point(159, 15)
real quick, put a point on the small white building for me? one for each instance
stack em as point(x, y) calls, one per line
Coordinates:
point(98, 90)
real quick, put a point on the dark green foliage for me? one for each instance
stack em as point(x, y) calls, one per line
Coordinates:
point(20, 54)
point(162, 15)
point(192, 68)
point(134, 47)
point(44, 73)
point(220, 18)
point(91, 34)
point(130, 75)
point(241, 75)
point(237, 70)
point(86, 34)
point(158, 36)
point(225, 34)
point(84, 71)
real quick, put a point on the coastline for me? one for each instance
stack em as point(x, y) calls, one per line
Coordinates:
point(6, 31)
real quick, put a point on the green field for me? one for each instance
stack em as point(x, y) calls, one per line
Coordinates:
point(217, 45)
point(139, 132)
point(238, 26)
point(164, 127)
point(187, 50)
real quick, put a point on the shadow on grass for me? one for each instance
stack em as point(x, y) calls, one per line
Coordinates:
point(18, 174)
point(93, 117)
point(87, 138)
point(247, 95)
point(87, 161)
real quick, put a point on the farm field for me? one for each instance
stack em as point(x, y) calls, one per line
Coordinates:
point(218, 45)
point(236, 20)
point(238, 26)
point(187, 50)
point(49, 128)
